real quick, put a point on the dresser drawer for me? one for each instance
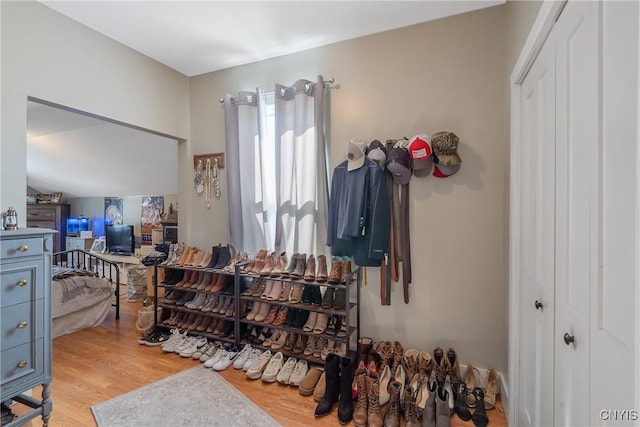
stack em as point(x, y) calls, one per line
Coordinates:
point(41, 214)
point(20, 364)
point(21, 323)
point(17, 248)
point(21, 282)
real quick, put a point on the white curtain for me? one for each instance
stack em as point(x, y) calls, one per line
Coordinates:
point(278, 178)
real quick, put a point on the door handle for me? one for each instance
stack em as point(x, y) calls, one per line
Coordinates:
point(538, 305)
point(569, 339)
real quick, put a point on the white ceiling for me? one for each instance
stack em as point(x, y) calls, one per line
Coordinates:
point(82, 156)
point(196, 37)
point(192, 37)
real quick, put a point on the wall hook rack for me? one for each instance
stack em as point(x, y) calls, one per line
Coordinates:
point(211, 157)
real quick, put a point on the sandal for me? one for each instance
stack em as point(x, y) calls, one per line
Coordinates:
point(461, 408)
point(479, 417)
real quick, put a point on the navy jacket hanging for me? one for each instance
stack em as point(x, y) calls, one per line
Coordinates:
point(359, 219)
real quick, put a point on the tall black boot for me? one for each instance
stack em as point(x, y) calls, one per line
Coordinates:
point(345, 402)
point(332, 388)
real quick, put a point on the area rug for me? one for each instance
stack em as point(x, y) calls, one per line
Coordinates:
point(195, 397)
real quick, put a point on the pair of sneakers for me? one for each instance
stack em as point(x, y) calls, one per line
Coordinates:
point(155, 338)
point(222, 359)
point(293, 371)
point(177, 338)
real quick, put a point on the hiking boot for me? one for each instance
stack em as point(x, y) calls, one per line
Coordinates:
point(392, 416)
point(360, 412)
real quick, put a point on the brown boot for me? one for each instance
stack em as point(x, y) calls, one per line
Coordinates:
point(360, 411)
point(310, 272)
point(280, 265)
point(345, 271)
point(364, 347)
point(301, 266)
point(292, 265)
point(321, 275)
point(398, 353)
point(392, 417)
point(410, 410)
point(269, 263)
point(374, 416)
point(336, 270)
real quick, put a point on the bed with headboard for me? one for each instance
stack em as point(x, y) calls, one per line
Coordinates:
point(85, 287)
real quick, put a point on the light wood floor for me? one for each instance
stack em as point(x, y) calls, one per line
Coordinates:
point(96, 364)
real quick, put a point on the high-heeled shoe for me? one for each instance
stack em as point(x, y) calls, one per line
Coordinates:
point(491, 392)
point(479, 417)
point(461, 408)
point(470, 383)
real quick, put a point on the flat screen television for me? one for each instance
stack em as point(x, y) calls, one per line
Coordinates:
point(120, 239)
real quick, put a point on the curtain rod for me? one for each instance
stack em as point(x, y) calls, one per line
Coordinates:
point(326, 82)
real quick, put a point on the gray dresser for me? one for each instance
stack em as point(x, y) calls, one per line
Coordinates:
point(25, 319)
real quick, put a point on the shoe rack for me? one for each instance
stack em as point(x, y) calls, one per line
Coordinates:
point(342, 324)
point(295, 324)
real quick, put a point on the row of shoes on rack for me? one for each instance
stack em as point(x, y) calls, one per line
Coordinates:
point(296, 293)
point(263, 264)
point(309, 268)
point(292, 342)
point(197, 280)
point(309, 321)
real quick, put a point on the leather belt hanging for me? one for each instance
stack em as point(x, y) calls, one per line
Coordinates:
point(405, 240)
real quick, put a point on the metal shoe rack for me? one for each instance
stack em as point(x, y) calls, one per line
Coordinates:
point(352, 299)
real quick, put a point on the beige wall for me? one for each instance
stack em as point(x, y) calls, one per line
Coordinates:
point(444, 75)
point(51, 57)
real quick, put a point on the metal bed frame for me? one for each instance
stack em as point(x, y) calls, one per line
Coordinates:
point(88, 261)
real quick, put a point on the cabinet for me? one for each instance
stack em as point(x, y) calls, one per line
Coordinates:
point(231, 292)
point(25, 312)
point(574, 232)
point(81, 243)
point(53, 217)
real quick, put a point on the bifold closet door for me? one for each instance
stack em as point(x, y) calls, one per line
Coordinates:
point(577, 210)
point(537, 234)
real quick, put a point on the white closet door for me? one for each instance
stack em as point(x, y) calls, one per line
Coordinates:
point(576, 206)
point(535, 380)
point(613, 322)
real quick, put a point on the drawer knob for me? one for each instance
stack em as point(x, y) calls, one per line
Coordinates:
point(22, 325)
point(22, 282)
point(23, 248)
point(22, 364)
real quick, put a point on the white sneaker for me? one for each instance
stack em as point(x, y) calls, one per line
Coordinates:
point(255, 371)
point(255, 353)
point(273, 368)
point(299, 372)
point(184, 344)
point(176, 338)
point(286, 371)
point(193, 346)
point(242, 356)
point(198, 353)
point(226, 359)
point(222, 351)
point(208, 353)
